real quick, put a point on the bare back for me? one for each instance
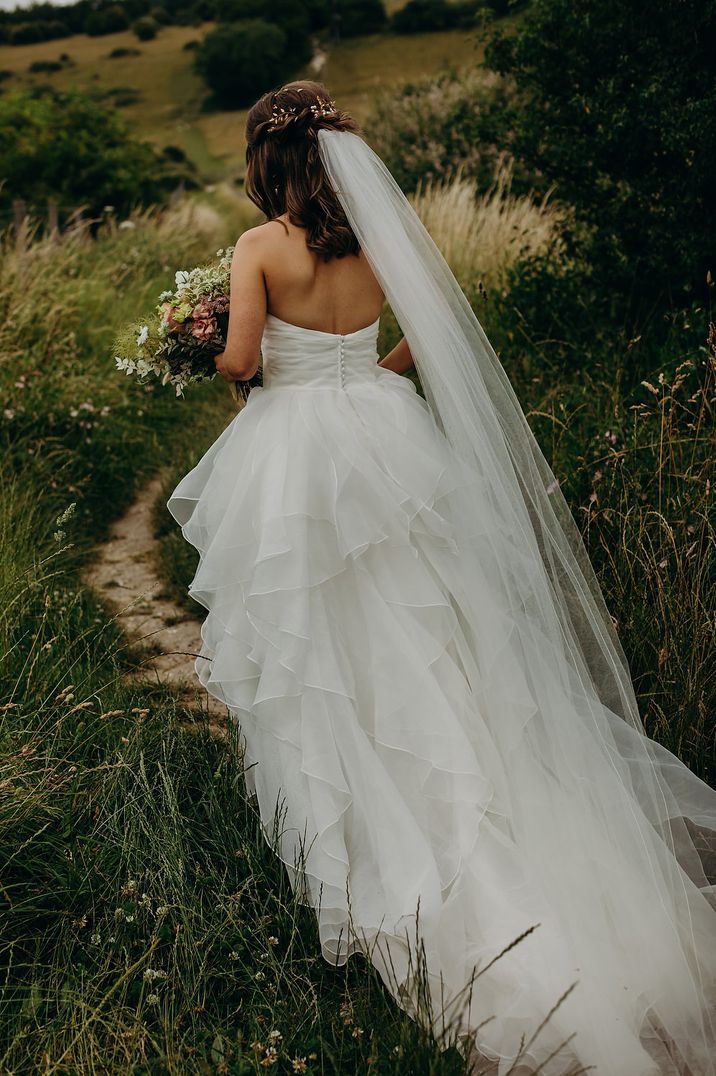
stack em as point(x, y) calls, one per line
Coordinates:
point(338, 296)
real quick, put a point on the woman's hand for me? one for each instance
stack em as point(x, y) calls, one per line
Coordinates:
point(222, 367)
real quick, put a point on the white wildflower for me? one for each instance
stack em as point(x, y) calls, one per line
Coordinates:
point(143, 336)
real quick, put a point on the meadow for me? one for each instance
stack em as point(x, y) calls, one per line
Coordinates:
point(145, 925)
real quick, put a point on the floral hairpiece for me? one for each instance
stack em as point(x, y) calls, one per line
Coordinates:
point(280, 115)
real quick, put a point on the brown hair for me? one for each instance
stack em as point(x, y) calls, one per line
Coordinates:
point(284, 172)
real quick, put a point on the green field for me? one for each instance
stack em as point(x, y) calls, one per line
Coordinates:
point(169, 109)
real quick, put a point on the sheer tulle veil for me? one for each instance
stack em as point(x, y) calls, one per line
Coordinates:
point(603, 802)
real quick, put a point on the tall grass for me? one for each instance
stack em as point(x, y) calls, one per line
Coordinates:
point(483, 234)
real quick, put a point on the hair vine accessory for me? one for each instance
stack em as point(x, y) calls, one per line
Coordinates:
point(280, 115)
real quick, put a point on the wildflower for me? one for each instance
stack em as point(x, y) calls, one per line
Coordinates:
point(611, 438)
point(127, 225)
point(259, 976)
point(143, 336)
point(270, 1058)
point(357, 1032)
point(181, 279)
point(272, 940)
point(299, 1064)
point(153, 999)
point(274, 1035)
point(96, 938)
point(233, 955)
point(9, 413)
point(150, 974)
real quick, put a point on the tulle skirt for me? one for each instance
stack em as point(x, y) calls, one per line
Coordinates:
point(389, 749)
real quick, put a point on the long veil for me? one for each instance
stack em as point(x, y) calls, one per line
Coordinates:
point(617, 819)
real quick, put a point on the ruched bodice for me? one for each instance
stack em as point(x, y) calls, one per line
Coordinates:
point(297, 357)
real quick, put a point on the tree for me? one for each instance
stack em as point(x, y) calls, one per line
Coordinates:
point(108, 20)
point(146, 28)
point(76, 150)
point(240, 60)
point(617, 104)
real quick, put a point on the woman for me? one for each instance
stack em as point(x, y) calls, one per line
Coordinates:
point(403, 620)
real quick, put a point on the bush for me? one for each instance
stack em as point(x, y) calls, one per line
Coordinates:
point(419, 16)
point(120, 53)
point(108, 20)
point(74, 149)
point(291, 16)
point(44, 67)
point(427, 129)
point(27, 33)
point(618, 106)
point(356, 17)
point(145, 28)
point(238, 61)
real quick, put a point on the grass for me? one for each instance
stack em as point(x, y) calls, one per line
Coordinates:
point(481, 235)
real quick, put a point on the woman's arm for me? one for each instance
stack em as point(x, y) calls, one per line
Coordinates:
point(399, 359)
point(247, 310)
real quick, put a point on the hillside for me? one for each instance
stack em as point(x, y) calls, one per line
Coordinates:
point(163, 98)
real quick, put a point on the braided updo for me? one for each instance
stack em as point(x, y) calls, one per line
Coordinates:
point(284, 172)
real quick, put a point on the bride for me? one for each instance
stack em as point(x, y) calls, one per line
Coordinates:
point(404, 623)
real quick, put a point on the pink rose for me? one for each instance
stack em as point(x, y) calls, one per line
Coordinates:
point(203, 328)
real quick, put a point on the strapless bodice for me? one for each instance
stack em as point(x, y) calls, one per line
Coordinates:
point(297, 357)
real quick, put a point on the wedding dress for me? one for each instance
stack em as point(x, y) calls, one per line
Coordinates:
point(451, 764)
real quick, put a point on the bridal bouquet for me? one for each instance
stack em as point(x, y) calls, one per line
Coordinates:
point(179, 343)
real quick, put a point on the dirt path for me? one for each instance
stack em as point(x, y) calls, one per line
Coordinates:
point(124, 575)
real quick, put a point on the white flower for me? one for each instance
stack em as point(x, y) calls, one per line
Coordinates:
point(127, 225)
point(153, 999)
point(181, 279)
point(143, 336)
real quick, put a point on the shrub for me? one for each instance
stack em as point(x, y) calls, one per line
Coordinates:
point(291, 16)
point(145, 28)
point(427, 129)
point(356, 17)
point(73, 148)
point(121, 53)
point(27, 33)
point(419, 16)
point(240, 60)
point(617, 104)
point(109, 20)
point(44, 66)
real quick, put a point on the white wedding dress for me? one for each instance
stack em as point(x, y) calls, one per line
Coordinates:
point(396, 732)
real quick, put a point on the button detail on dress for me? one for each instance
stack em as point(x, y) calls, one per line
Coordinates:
point(341, 362)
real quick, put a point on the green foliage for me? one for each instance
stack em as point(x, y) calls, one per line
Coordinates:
point(292, 17)
point(27, 33)
point(427, 129)
point(106, 20)
point(420, 16)
point(356, 17)
point(617, 104)
point(240, 60)
point(76, 150)
point(146, 28)
point(42, 67)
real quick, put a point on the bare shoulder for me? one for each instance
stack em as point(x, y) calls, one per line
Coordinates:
point(261, 239)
